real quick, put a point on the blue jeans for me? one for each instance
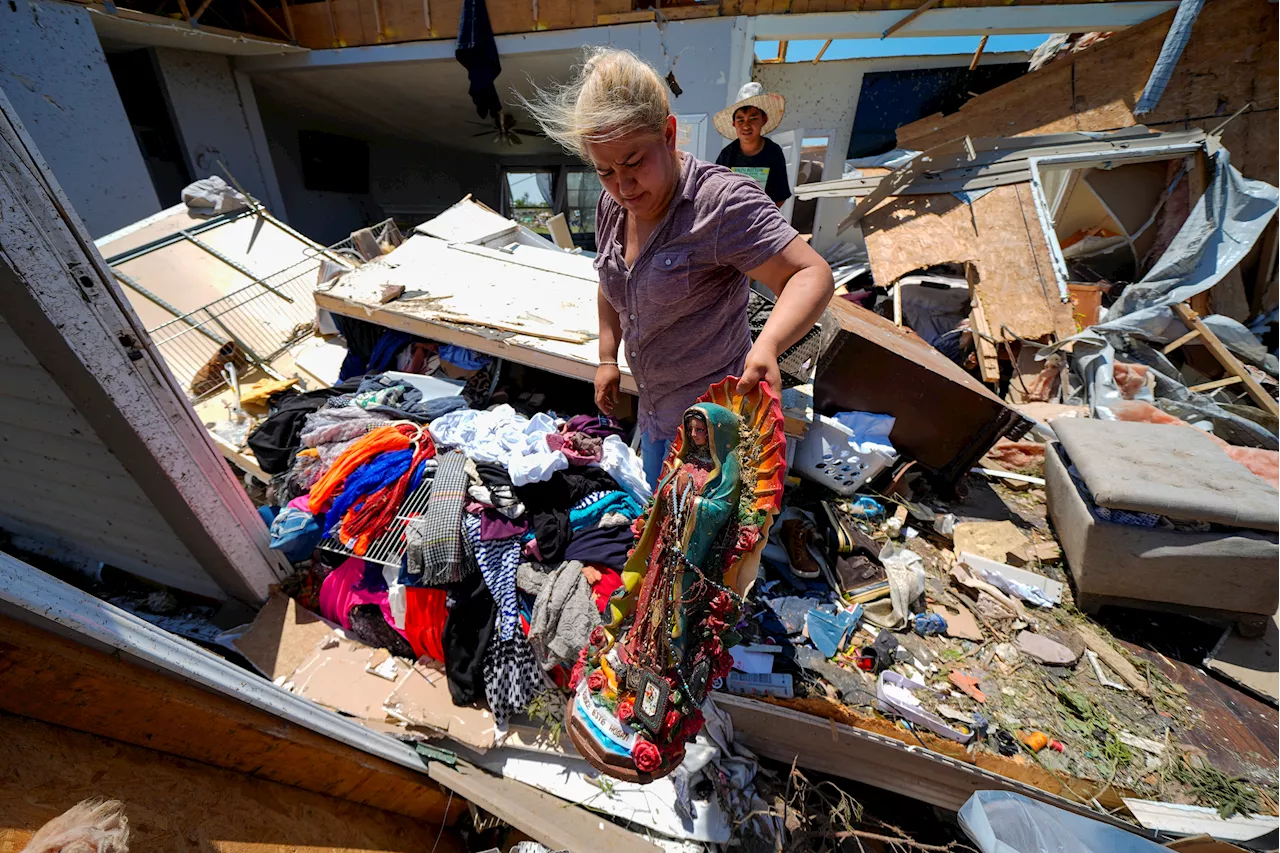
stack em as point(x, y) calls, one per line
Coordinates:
point(652, 453)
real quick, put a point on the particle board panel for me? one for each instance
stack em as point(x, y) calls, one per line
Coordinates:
point(177, 804)
point(57, 680)
point(999, 235)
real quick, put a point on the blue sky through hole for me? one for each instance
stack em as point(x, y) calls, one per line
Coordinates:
point(804, 51)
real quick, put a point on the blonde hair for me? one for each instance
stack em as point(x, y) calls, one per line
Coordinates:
point(614, 93)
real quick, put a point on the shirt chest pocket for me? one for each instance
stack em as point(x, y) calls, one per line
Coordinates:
point(668, 281)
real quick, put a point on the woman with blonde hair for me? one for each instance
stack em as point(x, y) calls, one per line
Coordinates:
point(678, 240)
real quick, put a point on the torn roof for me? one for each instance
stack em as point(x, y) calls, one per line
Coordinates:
point(966, 164)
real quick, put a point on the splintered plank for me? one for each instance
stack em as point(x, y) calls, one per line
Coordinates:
point(1227, 359)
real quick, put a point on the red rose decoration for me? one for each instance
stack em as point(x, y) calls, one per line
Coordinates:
point(596, 681)
point(692, 725)
point(575, 675)
point(671, 722)
point(582, 655)
point(646, 756)
point(722, 604)
point(714, 625)
point(627, 710)
point(748, 536)
point(597, 635)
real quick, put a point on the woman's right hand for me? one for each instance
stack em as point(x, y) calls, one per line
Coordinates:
point(607, 378)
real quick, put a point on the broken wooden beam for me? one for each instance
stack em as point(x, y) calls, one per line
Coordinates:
point(909, 17)
point(1227, 359)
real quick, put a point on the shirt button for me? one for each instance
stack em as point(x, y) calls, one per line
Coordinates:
point(641, 386)
point(668, 262)
point(633, 353)
point(633, 316)
point(651, 413)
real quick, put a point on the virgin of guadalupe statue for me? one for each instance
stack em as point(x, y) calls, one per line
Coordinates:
point(640, 681)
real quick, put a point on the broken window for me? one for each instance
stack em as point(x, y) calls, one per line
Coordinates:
point(530, 197)
point(1112, 220)
point(582, 191)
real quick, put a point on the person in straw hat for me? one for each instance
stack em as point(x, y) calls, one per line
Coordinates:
point(677, 239)
point(751, 153)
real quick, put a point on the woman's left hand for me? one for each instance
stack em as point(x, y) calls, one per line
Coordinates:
point(761, 365)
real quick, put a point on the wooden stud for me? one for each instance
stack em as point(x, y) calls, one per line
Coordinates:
point(1185, 339)
point(782, 50)
point(186, 13)
point(988, 355)
point(977, 54)
point(1227, 359)
point(909, 17)
point(897, 303)
point(200, 11)
point(288, 21)
point(821, 51)
point(1217, 383)
point(274, 22)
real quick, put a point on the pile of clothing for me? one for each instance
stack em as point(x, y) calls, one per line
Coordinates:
point(511, 532)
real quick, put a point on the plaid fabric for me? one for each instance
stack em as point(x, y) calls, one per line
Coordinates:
point(433, 552)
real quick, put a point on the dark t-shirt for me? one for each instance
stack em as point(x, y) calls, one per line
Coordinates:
point(768, 168)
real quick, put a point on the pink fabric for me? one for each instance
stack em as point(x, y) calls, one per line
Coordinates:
point(338, 594)
point(578, 447)
point(302, 502)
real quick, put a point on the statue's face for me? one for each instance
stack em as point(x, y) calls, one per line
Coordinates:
point(698, 430)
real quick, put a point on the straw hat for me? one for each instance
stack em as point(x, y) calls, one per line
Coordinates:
point(752, 95)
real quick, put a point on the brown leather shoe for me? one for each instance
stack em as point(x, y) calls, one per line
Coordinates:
point(795, 535)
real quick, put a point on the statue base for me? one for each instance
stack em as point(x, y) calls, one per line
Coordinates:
point(605, 760)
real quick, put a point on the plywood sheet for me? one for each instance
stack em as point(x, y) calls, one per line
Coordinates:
point(175, 804)
point(999, 235)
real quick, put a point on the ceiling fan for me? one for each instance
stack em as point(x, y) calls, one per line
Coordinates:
point(504, 130)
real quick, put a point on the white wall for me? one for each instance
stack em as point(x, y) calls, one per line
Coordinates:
point(211, 121)
point(416, 181)
point(53, 71)
point(699, 52)
point(325, 217)
point(825, 95)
